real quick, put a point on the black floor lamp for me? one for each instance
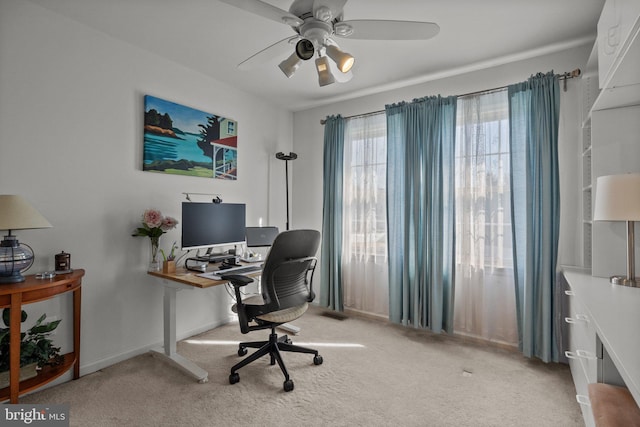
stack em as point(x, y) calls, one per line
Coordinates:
point(286, 158)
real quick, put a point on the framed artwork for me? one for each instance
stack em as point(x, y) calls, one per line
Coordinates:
point(181, 140)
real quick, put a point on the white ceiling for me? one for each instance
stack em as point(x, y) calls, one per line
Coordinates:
point(212, 37)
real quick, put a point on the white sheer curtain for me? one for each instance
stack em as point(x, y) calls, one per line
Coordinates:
point(484, 283)
point(364, 260)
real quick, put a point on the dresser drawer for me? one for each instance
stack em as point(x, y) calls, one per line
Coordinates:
point(582, 338)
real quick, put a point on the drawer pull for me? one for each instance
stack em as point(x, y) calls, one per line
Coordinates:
point(580, 354)
point(586, 354)
point(570, 293)
point(583, 400)
point(579, 318)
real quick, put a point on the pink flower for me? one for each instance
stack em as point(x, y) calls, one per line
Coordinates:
point(152, 218)
point(168, 223)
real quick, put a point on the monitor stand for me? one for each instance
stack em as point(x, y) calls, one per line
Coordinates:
point(214, 258)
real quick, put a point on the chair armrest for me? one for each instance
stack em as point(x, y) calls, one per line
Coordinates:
point(237, 280)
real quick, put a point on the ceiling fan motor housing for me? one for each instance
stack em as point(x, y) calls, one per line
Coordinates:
point(316, 31)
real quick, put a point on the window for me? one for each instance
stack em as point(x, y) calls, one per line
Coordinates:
point(485, 294)
point(365, 222)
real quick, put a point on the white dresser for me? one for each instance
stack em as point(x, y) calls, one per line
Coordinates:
point(604, 335)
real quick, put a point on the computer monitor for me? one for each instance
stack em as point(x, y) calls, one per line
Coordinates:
point(261, 236)
point(209, 225)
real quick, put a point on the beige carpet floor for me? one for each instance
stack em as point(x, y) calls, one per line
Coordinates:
point(374, 374)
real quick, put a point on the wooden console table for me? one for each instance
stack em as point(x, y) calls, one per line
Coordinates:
point(14, 296)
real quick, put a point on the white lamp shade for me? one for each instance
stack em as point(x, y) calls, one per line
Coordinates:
point(617, 198)
point(17, 214)
point(290, 65)
point(343, 60)
point(324, 72)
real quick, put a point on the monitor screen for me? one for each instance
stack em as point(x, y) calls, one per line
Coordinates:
point(261, 236)
point(206, 225)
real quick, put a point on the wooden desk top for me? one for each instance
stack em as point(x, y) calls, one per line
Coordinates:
point(191, 278)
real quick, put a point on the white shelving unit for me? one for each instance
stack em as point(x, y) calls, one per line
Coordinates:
point(590, 92)
point(610, 125)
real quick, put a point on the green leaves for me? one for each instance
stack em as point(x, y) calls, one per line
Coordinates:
point(6, 316)
point(35, 343)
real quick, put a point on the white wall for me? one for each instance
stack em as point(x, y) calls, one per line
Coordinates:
point(308, 135)
point(71, 109)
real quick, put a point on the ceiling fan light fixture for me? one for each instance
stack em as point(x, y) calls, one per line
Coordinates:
point(290, 65)
point(305, 49)
point(342, 59)
point(324, 73)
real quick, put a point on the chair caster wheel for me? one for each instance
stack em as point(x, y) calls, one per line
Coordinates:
point(317, 360)
point(234, 378)
point(288, 385)
point(242, 351)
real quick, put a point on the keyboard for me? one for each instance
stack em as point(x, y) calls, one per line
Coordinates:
point(243, 269)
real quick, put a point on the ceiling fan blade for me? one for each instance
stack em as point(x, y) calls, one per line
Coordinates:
point(335, 6)
point(276, 50)
point(374, 29)
point(266, 10)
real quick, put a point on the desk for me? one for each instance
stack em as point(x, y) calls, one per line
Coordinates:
point(15, 295)
point(173, 282)
point(611, 316)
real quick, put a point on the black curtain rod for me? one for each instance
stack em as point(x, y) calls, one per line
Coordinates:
point(564, 76)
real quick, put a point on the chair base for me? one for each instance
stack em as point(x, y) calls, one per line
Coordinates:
point(272, 347)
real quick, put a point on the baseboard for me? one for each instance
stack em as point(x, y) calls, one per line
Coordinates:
point(112, 360)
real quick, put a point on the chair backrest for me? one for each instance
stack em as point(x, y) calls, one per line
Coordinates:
point(286, 280)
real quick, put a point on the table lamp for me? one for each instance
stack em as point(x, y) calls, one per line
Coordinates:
point(15, 257)
point(618, 199)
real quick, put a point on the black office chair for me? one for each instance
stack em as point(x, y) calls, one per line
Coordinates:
point(286, 293)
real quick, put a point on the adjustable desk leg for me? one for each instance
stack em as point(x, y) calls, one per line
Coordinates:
point(169, 310)
point(168, 352)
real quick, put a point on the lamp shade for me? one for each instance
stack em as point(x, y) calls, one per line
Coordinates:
point(290, 65)
point(17, 214)
point(343, 60)
point(617, 198)
point(324, 73)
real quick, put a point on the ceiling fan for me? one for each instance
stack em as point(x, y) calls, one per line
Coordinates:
point(315, 23)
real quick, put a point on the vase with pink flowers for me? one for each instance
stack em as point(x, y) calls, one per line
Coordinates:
point(154, 225)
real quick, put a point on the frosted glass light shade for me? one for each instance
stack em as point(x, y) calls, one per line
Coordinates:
point(343, 60)
point(290, 65)
point(617, 198)
point(324, 73)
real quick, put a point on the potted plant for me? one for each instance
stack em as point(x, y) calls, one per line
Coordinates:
point(169, 261)
point(36, 347)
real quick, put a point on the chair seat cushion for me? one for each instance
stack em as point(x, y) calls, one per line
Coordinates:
point(280, 316)
point(285, 315)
